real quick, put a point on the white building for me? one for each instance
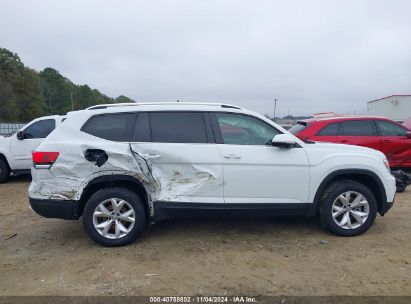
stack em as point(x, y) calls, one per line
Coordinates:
point(395, 107)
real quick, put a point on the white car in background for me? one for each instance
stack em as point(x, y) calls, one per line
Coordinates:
point(15, 150)
point(123, 167)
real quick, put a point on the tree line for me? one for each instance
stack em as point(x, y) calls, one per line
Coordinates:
point(26, 94)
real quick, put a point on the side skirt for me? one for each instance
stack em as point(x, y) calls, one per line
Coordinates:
point(25, 171)
point(176, 210)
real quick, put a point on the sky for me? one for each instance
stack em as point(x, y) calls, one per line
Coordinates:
point(312, 56)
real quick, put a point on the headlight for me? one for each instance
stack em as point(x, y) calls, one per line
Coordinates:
point(387, 165)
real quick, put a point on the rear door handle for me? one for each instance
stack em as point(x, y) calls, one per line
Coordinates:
point(151, 156)
point(232, 156)
point(386, 141)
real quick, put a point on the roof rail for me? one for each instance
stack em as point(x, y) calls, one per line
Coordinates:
point(110, 105)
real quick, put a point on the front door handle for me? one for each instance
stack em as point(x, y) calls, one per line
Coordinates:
point(151, 156)
point(232, 156)
point(386, 141)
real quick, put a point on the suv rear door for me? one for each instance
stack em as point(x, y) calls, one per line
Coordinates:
point(360, 133)
point(185, 159)
point(255, 172)
point(395, 143)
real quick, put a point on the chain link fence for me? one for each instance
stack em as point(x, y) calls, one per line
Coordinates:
point(9, 128)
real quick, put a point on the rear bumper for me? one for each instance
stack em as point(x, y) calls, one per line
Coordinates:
point(63, 209)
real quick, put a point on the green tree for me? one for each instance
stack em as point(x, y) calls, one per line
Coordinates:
point(24, 85)
point(123, 99)
point(26, 94)
point(56, 91)
point(8, 105)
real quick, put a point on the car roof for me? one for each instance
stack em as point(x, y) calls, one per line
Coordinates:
point(342, 118)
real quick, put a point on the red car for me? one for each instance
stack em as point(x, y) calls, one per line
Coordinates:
point(382, 134)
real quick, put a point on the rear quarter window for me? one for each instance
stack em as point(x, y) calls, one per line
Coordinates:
point(114, 127)
point(329, 130)
point(299, 127)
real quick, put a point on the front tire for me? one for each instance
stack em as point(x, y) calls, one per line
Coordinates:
point(4, 170)
point(114, 217)
point(348, 208)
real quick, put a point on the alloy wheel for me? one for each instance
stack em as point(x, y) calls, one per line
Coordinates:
point(114, 218)
point(350, 210)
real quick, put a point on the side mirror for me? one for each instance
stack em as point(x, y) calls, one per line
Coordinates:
point(20, 135)
point(283, 141)
point(408, 134)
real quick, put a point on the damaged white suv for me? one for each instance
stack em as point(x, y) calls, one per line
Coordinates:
point(123, 167)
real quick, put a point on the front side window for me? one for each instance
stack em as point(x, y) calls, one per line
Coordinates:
point(178, 127)
point(114, 127)
point(40, 129)
point(387, 128)
point(237, 129)
point(329, 130)
point(357, 128)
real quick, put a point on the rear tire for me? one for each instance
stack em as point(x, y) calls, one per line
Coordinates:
point(114, 217)
point(348, 208)
point(4, 170)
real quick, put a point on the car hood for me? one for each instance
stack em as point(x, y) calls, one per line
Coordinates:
point(4, 142)
point(343, 149)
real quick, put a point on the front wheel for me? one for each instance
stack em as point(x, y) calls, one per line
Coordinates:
point(348, 208)
point(114, 217)
point(4, 170)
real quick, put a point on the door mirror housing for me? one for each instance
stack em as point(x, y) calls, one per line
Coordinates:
point(408, 135)
point(20, 135)
point(283, 141)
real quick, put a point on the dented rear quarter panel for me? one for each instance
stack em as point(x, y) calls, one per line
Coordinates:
point(183, 173)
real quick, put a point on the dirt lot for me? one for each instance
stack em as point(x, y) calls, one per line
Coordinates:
point(237, 256)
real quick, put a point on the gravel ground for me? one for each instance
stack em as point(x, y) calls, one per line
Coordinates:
point(285, 256)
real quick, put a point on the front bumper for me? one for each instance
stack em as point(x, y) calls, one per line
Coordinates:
point(63, 209)
point(385, 207)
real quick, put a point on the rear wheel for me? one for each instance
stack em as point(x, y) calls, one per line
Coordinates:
point(114, 217)
point(348, 208)
point(4, 170)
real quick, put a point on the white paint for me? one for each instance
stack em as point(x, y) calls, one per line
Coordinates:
point(198, 172)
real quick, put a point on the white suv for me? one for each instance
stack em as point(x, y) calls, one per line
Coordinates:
point(122, 167)
point(15, 150)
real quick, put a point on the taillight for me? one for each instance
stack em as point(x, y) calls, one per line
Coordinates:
point(44, 158)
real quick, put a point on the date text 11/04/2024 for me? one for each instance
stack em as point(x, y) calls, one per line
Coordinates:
point(204, 299)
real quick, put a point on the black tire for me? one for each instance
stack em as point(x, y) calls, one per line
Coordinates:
point(332, 193)
point(130, 197)
point(4, 170)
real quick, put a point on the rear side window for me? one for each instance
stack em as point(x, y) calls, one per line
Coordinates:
point(387, 128)
point(115, 127)
point(178, 127)
point(357, 128)
point(329, 130)
point(40, 129)
point(300, 126)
